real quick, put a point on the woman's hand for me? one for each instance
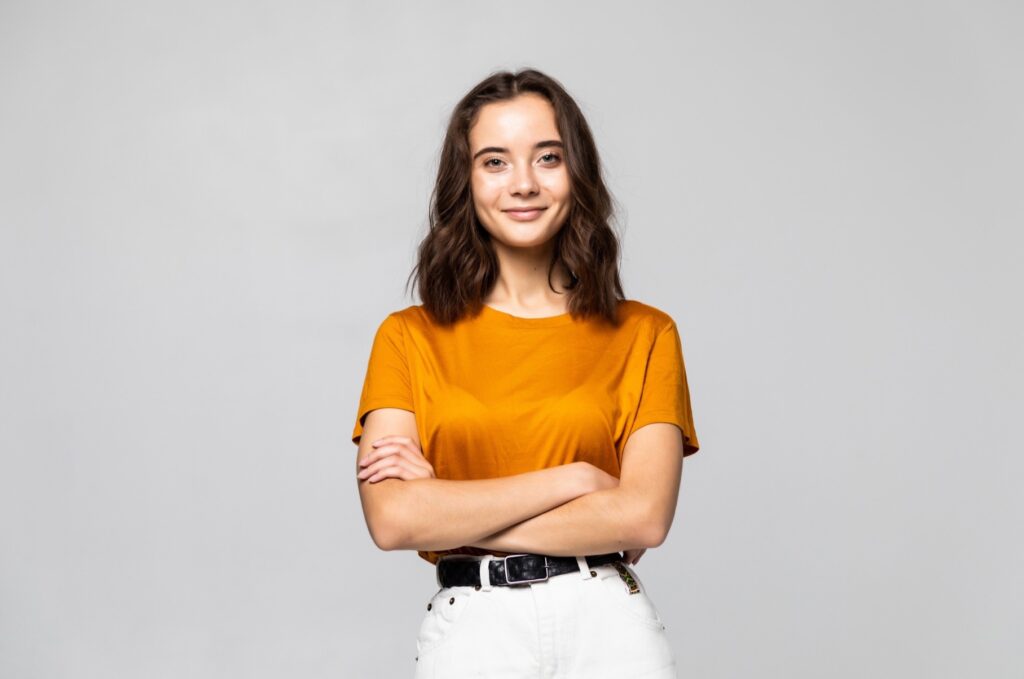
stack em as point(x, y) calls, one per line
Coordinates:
point(396, 457)
point(631, 556)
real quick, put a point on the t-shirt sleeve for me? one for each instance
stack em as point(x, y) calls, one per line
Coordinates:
point(666, 396)
point(387, 383)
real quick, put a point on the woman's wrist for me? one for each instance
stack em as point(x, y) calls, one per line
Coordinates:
point(584, 479)
point(593, 478)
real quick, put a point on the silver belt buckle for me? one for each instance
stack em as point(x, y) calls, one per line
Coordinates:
point(516, 582)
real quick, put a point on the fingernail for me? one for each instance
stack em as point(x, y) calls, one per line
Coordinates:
point(375, 442)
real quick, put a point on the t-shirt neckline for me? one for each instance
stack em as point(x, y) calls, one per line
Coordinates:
point(492, 315)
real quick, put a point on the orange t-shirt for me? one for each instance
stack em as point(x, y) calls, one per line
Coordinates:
point(496, 394)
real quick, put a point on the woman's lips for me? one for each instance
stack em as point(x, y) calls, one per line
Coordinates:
point(524, 215)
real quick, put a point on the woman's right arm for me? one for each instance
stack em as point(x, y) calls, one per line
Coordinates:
point(437, 514)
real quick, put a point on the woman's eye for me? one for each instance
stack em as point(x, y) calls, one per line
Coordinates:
point(498, 162)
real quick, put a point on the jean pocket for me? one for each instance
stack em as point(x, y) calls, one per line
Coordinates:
point(615, 591)
point(444, 610)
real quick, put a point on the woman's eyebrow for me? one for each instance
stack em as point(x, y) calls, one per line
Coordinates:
point(501, 149)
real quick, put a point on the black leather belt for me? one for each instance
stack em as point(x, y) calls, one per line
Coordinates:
point(516, 569)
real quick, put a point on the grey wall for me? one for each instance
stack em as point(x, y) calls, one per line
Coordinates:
point(207, 207)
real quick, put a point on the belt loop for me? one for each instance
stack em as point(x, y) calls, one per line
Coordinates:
point(485, 572)
point(584, 567)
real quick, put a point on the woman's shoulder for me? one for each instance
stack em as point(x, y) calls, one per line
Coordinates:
point(410, 312)
point(412, 316)
point(417, 321)
point(635, 311)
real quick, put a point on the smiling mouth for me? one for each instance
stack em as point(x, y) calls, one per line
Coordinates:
point(527, 215)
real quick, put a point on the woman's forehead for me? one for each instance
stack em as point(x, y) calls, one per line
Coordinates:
point(520, 122)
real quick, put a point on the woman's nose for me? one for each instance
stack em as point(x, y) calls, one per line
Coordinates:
point(523, 180)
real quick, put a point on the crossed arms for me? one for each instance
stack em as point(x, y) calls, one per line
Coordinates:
point(562, 511)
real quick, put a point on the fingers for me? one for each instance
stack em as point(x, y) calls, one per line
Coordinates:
point(384, 446)
point(394, 438)
point(391, 467)
point(384, 457)
point(385, 463)
point(385, 451)
point(412, 457)
point(632, 556)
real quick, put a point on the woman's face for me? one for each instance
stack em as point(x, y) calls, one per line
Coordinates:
point(518, 162)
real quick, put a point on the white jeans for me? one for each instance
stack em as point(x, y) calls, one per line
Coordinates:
point(571, 625)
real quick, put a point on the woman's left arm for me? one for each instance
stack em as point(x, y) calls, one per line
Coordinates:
point(635, 515)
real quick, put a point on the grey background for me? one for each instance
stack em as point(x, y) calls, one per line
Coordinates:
point(208, 207)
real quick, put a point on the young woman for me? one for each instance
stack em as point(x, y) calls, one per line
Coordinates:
point(524, 428)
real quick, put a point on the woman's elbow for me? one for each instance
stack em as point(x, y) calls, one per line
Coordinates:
point(385, 520)
point(655, 526)
point(385, 537)
point(657, 532)
point(392, 530)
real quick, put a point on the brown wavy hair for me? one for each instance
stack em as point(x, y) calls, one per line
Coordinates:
point(457, 266)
